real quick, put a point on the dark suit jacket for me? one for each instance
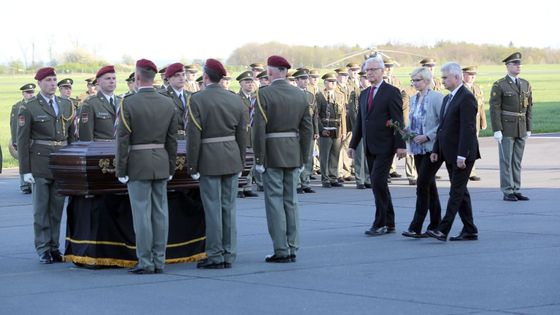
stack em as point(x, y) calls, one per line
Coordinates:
point(456, 135)
point(371, 126)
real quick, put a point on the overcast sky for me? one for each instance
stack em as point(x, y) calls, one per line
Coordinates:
point(166, 31)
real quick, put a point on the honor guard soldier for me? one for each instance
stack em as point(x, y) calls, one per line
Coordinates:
point(246, 92)
point(90, 89)
point(200, 83)
point(217, 131)
point(430, 63)
point(131, 84)
point(291, 79)
point(28, 93)
point(331, 108)
point(363, 179)
point(164, 83)
point(511, 105)
point(263, 79)
point(175, 75)
point(99, 115)
point(256, 69)
point(225, 82)
point(346, 88)
point(302, 81)
point(65, 90)
point(282, 130)
point(45, 124)
point(190, 75)
point(469, 76)
point(313, 85)
point(146, 154)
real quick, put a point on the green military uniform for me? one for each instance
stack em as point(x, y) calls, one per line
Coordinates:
point(191, 86)
point(360, 163)
point(348, 90)
point(146, 153)
point(44, 129)
point(180, 102)
point(282, 130)
point(30, 87)
point(331, 108)
point(511, 107)
point(98, 118)
point(216, 149)
point(481, 113)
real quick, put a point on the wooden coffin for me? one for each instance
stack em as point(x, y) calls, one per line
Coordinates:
point(88, 168)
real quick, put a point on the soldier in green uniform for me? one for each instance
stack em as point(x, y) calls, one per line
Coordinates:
point(146, 154)
point(256, 69)
point(200, 83)
point(313, 88)
point(28, 93)
point(190, 74)
point(175, 75)
point(225, 82)
point(247, 94)
point(282, 130)
point(99, 115)
point(263, 79)
point(331, 108)
point(131, 84)
point(430, 63)
point(342, 86)
point(363, 179)
point(302, 81)
point(45, 124)
point(511, 105)
point(65, 90)
point(469, 77)
point(217, 138)
point(90, 89)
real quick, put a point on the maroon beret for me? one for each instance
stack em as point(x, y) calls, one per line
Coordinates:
point(174, 68)
point(103, 70)
point(44, 72)
point(216, 66)
point(278, 62)
point(147, 64)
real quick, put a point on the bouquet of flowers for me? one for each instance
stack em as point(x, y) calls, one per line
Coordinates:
point(406, 134)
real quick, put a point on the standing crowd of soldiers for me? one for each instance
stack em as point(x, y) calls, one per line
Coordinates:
point(295, 128)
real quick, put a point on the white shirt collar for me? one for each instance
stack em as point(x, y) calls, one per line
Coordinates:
point(456, 89)
point(108, 97)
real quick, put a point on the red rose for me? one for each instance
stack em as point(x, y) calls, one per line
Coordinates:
point(388, 123)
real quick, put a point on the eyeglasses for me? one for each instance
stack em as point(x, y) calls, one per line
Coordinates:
point(373, 69)
point(416, 80)
point(444, 77)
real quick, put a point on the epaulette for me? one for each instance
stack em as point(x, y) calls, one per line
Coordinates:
point(163, 92)
point(500, 80)
point(232, 92)
point(127, 95)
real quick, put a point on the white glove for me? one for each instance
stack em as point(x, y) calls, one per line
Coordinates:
point(498, 136)
point(528, 134)
point(170, 177)
point(28, 178)
point(195, 176)
point(239, 175)
point(260, 168)
point(123, 180)
point(301, 169)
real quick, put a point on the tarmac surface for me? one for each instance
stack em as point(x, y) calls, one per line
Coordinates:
point(514, 267)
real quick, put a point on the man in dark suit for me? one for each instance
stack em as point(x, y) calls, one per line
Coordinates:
point(456, 145)
point(377, 105)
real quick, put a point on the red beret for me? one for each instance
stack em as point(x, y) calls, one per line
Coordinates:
point(147, 64)
point(216, 66)
point(103, 70)
point(44, 72)
point(278, 62)
point(174, 68)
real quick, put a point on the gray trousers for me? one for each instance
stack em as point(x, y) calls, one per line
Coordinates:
point(47, 212)
point(218, 197)
point(511, 153)
point(344, 162)
point(280, 199)
point(409, 167)
point(304, 180)
point(22, 184)
point(150, 218)
point(330, 152)
point(360, 165)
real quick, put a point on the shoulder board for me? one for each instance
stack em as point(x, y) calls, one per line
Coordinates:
point(232, 92)
point(523, 80)
point(128, 95)
point(500, 80)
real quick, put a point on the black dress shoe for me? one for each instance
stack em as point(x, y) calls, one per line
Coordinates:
point(360, 186)
point(474, 178)
point(26, 191)
point(465, 237)
point(340, 180)
point(412, 182)
point(367, 185)
point(56, 256)
point(376, 231)
point(227, 265)
point(391, 229)
point(46, 258)
point(158, 270)
point(395, 175)
point(521, 197)
point(206, 264)
point(327, 185)
point(299, 190)
point(240, 194)
point(510, 197)
point(313, 177)
point(349, 178)
point(337, 184)
point(277, 259)
point(249, 193)
point(410, 234)
point(140, 271)
point(308, 190)
point(437, 235)
point(292, 257)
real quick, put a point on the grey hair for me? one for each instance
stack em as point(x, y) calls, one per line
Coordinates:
point(452, 68)
point(377, 58)
point(423, 72)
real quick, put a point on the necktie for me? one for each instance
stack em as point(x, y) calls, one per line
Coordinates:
point(117, 116)
point(444, 109)
point(55, 109)
point(182, 100)
point(370, 98)
point(517, 84)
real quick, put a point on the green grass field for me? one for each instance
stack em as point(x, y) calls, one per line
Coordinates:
point(545, 80)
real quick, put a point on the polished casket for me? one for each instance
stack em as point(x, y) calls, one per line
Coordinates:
point(99, 219)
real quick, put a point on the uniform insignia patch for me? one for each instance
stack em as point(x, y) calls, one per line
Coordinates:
point(21, 120)
point(84, 118)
